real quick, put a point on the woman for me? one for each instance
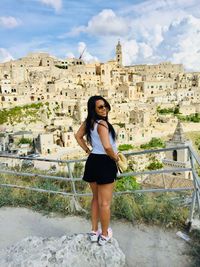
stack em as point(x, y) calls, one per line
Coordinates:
point(100, 168)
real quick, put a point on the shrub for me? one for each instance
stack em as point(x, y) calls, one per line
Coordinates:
point(155, 142)
point(17, 114)
point(165, 110)
point(195, 247)
point(166, 209)
point(126, 183)
point(193, 117)
point(25, 141)
point(125, 147)
point(168, 110)
point(155, 165)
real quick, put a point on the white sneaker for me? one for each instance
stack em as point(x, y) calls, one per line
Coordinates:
point(105, 239)
point(94, 236)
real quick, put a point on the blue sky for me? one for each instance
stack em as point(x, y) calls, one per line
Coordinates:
point(150, 31)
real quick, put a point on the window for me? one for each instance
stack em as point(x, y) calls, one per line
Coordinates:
point(175, 155)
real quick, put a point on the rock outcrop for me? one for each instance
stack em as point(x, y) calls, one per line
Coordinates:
point(68, 251)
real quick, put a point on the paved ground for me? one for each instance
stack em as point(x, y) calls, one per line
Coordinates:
point(144, 246)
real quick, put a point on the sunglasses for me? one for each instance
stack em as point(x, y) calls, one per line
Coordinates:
point(102, 107)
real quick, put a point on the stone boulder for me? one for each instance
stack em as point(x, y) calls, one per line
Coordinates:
point(68, 251)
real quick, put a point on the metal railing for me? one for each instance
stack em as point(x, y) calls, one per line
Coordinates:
point(194, 158)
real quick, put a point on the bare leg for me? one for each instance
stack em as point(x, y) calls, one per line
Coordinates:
point(94, 206)
point(104, 199)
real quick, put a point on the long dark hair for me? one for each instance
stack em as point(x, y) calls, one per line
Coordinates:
point(93, 117)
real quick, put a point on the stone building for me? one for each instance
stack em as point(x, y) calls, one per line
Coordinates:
point(65, 85)
point(178, 158)
point(45, 143)
point(140, 116)
point(119, 54)
point(4, 142)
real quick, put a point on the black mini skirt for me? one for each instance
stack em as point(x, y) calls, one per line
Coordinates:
point(100, 168)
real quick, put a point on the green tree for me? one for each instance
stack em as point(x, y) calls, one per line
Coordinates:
point(125, 147)
point(127, 183)
point(25, 141)
point(176, 110)
point(155, 142)
point(78, 169)
point(155, 165)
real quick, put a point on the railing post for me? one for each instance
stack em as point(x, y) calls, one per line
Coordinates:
point(191, 210)
point(74, 201)
point(197, 186)
point(196, 193)
point(71, 176)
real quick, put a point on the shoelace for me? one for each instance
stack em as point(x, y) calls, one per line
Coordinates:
point(92, 234)
point(103, 238)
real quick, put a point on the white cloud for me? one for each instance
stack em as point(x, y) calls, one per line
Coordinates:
point(130, 51)
point(9, 22)
point(145, 50)
point(164, 30)
point(182, 42)
point(56, 4)
point(104, 23)
point(150, 32)
point(70, 55)
point(83, 52)
point(86, 56)
point(149, 6)
point(133, 52)
point(74, 32)
point(5, 55)
point(143, 29)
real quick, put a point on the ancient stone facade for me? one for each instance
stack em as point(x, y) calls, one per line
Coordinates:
point(134, 92)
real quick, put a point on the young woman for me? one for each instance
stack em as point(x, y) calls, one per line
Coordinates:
point(100, 168)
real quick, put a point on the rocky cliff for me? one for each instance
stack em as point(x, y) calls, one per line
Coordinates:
point(68, 251)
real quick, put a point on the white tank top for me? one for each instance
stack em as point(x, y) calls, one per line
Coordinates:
point(97, 147)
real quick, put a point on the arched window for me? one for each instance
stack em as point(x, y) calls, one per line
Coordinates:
point(175, 155)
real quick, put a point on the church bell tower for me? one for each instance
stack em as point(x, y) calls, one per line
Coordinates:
point(178, 158)
point(119, 54)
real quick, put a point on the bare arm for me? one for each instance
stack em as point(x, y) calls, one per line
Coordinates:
point(80, 140)
point(105, 140)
